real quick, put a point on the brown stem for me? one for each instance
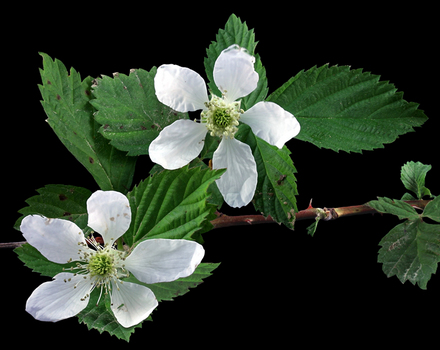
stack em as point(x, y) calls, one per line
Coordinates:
point(310, 213)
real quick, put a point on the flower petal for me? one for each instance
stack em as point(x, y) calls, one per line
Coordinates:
point(271, 123)
point(131, 303)
point(238, 183)
point(180, 88)
point(109, 214)
point(178, 144)
point(164, 260)
point(58, 240)
point(59, 299)
point(234, 73)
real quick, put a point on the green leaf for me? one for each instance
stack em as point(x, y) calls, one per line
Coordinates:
point(53, 201)
point(432, 210)
point(129, 111)
point(236, 32)
point(100, 317)
point(311, 229)
point(394, 206)
point(66, 101)
point(411, 251)
point(172, 204)
point(170, 290)
point(345, 109)
point(413, 177)
point(33, 259)
point(58, 201)
point(276, 187)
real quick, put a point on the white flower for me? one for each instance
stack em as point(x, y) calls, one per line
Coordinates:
point(62, 241)
point(179, 143)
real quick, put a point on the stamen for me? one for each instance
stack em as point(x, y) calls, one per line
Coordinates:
point(221, 118)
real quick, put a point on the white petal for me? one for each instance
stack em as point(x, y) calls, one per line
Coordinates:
point(234, 73)
point(58, 240)
point(109, 214)
point(59, 299)
point(178, 144)
point(131, 303)
point(238, 183)
point(180, 88)
point(271, 123)
point(164, 260)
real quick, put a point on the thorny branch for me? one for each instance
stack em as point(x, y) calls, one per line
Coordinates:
point(309, 213)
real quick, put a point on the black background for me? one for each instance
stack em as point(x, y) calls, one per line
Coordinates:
point(273, 284)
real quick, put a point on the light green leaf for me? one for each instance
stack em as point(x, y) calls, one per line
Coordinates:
point(396, 207)
point(311, 229)
point(345, 109)
point(276, 187)
point(237, 32)
point(411, 251)
point(129, 111)
point(172, 204)
point(413, 177)
point(432, 210)
point(66, 101)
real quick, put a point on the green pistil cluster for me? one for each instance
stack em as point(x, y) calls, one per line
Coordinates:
point(101, 263)
point(101, 266)
point(221, 117)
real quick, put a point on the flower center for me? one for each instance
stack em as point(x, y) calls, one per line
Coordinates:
point(221, 117)
point(101, 264)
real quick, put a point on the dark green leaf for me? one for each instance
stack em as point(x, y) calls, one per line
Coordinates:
point(170, 290)
point(100, 317)
point(345, 109)
point(129, 111)
point(172, 204)
point(276, 187)
point(58, 201)
point(236, 32)
point(396, 207)
point(66, 101)
point(33, 259)
point(413, 178)
point(411, 251)
point(432, 210)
